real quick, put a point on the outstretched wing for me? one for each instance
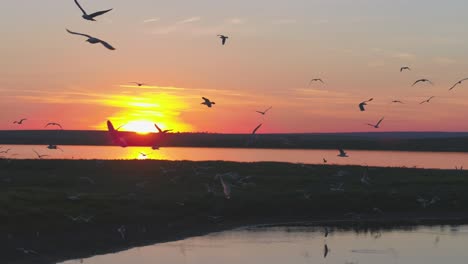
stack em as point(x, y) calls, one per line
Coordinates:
point(416, 82)
point(79, 34)
point(255, 130)
point(361, 107)
point(224, 40)
point(157, 127)
point(380, 121)
point(107, 45)
point(455, 85)
point(79, 6)
point(93, 15)
point(206, 100)
point(268, 109)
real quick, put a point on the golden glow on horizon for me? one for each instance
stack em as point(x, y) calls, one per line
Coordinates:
point(141, 127)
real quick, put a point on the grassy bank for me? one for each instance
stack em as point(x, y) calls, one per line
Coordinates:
point(162, 200)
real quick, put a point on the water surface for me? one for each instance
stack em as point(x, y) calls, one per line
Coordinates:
point(304, 245)
point(443, 160)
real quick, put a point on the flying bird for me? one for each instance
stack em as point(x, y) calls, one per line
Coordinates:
point(264, 112)
point(207, 102)
point(397, 101)
point(162, 131)
point(223, 38)
point(316, 80)
point(115, 135)
point(362, 104)
point(255, 130)
point(427, 101)
point(50, 146)
point(39, 155)
point(5, 151)
point(139, 84)
point(457, 83)
point(422, 80)
point(405, 68)
point(20, 122)
point(54, 124)
point(93, 40)
point(376, 125)
point(325, 160)
point(91, 17)
point(325, 251)
point(342, 154)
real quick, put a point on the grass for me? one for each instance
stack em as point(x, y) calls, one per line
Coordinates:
point(163, 200)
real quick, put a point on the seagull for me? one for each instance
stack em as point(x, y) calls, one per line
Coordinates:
point(207, 102)
point(114, 133)
point(162, 131)
point(325, 251)
point(223, 38)
point(143, 154)
point(405, 68)
point(324, 160)
point(54, 147)
point(422, 80)
point(457, 83)
point(54, 124)
point(397, 101)
point(342, 154)
point(27, 251)
point(362, 104)
point(122, 231)
point(255, 130)
point(378, 123)
point(5, 151)
point(91, 17)
point(226, 188)
point(139, 84)
point(427, 101)
point(39, 155)
point(264, 112)
point(20, 122)
point(93, 40)
point(316, 80)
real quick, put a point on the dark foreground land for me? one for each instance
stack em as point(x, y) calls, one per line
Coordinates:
point(407, 141)
point(155, 201)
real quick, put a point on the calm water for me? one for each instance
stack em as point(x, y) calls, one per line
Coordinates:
point(304, 245)
point(372, 158)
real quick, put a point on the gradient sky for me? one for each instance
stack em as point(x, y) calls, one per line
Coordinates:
point(276, 47)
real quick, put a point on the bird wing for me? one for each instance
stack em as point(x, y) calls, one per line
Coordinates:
point(157, 127)
point(425, 101)
point(268, 109)
point(93, 15)
point(454, 86)
point(370, 100)
point(416, 82)
point(58, 125)
point(255, 130)
point(260, 112)
point(380, 121)
point(107, 45)
point(342, 152)
point(36, 152)
point(429, 82)
point(79, 6)
point(206, 100)
point(79, 34)
point(224, 40)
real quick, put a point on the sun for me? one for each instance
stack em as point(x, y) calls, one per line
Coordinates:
point(140, 127)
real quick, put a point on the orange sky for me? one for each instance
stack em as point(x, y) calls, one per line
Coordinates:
point(49, 75)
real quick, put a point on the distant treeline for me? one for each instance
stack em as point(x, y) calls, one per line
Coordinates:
point(409, 141)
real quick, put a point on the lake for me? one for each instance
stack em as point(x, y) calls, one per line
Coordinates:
point(279, 245)
point(437, 160)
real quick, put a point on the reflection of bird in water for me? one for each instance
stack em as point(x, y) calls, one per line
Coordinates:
point(91, 17)
point(93, 40)
point(325, 251)
point(38, 155)
point(51, 146)
point(362, 104)
point(326, 231)
point(207, 102)
point(342, 154)
point(223, 39)
point(5, 151)
point(20, 122)
point(325, 160)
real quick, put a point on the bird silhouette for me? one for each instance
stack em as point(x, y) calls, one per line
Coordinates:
point(397, 101)
point(264, 112)
point(207, 102)
point(362, 104)
point(316, 80)
point(342, 154)
point(458, 83)
point(93, 40)
point(223, 39)
point(139, 84)
point(257, 128)
point(91, 17)
point(20, 122)
point(378, 123)
point(54, 124)
point(39, 155)
point(115, 135)
point(405, 68)
point(162, 131)
point(422, 81)
point(427, 101)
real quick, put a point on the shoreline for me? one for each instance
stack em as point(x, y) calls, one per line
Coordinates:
point(160, 201)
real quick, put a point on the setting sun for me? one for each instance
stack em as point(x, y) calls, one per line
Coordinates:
point(141, 127)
